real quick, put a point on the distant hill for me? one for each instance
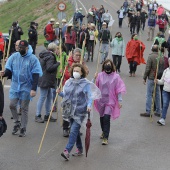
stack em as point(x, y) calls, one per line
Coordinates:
point(26, 11)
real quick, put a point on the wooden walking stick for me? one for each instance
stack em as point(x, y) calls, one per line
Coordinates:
point(50, 114)
point(83, 49)
point(3, 59)
point(97, 68)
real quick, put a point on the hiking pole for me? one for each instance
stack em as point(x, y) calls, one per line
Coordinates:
point(83, 49)
point(9, 46)
point(3, 60)
point(50, 114)
point(97, 68)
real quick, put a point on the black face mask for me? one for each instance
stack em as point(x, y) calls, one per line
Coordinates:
point(119, 36)
point(108, 69)
point(22, 52)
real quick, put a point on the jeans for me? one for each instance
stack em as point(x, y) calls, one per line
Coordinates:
point(74, 137)
point(105, 125)
point(24, 111)
point(133, 66)
point(105, 51)
point(45, 93)
point(150, 88)
point(166, 100)
point(117, 60)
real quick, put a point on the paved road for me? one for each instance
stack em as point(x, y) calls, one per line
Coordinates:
point(134, 143)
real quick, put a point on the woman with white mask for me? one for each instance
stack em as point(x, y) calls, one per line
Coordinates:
point(78, 95)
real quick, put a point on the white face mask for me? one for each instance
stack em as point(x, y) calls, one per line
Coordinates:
point(76, 75)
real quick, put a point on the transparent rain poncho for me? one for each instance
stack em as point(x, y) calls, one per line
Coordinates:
point(22, 69)
point(81, 93)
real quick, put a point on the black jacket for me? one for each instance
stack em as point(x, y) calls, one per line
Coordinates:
point(32, 34)
point(143, 16)
point(16, 34)
point(133, 20)
point(49, 67)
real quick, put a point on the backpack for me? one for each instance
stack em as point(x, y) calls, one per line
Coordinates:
point(152, 20)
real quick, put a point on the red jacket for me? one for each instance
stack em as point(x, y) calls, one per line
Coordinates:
point(1, 43)
point(70, 38)
point(50, 32)
point(161, 23)
point(134, 52)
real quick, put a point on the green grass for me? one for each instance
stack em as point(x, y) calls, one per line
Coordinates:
point(26, 11)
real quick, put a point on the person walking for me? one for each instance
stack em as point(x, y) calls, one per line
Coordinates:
point(112, 87)
point(162, 23)
point(106, 17)
point(149, 75)
point(138, 22)
point(133, 20)
point(32, 36)
point(1, 100)
point(151, 26)
point(130, 13)
point(118, 50)
point(25, 69)
point(134, 54)
point(70, 38)
point(166, 93)
point(104, 38)
point(47, 81)
point(144, 16)
point(121, 14)
point(78, 93)
point(63, 29)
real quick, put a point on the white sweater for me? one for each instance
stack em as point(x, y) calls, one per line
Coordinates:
point(165, 80)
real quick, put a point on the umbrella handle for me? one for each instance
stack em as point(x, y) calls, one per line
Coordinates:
point(88, 115)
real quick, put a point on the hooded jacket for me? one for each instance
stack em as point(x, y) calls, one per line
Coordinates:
point(49, 67)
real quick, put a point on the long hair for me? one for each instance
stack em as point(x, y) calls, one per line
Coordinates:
point(112, 65)
point(68, 29)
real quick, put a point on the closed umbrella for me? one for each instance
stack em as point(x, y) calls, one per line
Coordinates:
point(87, 138)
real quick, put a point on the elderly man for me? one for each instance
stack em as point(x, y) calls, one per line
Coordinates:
point(150, 71)
point(25, 69)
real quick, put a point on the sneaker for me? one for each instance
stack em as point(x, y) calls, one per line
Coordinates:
point(65, 155)
point(102, 136)
point(54, 109)
point(51, 118)
point(105, 141)
point(157, 114)
point(78, 152)
point(22, 132)
point(66, 133)
point(145, 115)
point(38, 119)
point(161, 122)
point(16, 128)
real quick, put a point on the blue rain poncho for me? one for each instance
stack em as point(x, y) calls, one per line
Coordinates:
point(81, 93)
point(22, 69)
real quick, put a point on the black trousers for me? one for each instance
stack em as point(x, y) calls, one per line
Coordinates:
point(69, 47)
point(1, 99)
point(66, 125)
point(90, 48)
point(117, 60)
point(132, 28)
point(1, 57)
point(33, 45)
point(143, 25)
point(137, 28)
point(133, 67)
point(105, 125)
point(120, 22)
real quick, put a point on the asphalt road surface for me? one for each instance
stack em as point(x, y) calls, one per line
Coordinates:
point(134, 143)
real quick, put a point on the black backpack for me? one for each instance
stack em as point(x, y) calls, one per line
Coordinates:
point(161, 68)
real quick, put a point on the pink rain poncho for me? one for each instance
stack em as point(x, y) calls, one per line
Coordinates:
point(110, 85)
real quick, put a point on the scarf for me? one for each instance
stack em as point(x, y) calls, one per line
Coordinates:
point(119, 39)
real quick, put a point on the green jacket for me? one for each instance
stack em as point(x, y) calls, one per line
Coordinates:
point(64, 63)
point(150, 70)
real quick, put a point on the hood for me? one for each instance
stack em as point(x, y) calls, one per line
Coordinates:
point(29, 52)
point(45, 53)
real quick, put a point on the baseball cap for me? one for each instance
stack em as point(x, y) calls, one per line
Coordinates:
point(23, 43)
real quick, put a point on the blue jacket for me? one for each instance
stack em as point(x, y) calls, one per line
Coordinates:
point(152, 21)
point(22, 69)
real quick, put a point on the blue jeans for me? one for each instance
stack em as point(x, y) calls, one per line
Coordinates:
point(74, 137)
point(150, 88)
point(105, 51)
point(45, 93)
point(166, 100)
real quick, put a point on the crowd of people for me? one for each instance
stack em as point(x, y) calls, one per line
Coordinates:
point(63, 64)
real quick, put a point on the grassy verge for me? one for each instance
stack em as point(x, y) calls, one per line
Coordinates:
point(26, 11)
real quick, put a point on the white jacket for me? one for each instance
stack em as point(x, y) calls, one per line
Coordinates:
point(165, 80)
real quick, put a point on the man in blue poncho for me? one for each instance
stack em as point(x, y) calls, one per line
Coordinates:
point(25, 69)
